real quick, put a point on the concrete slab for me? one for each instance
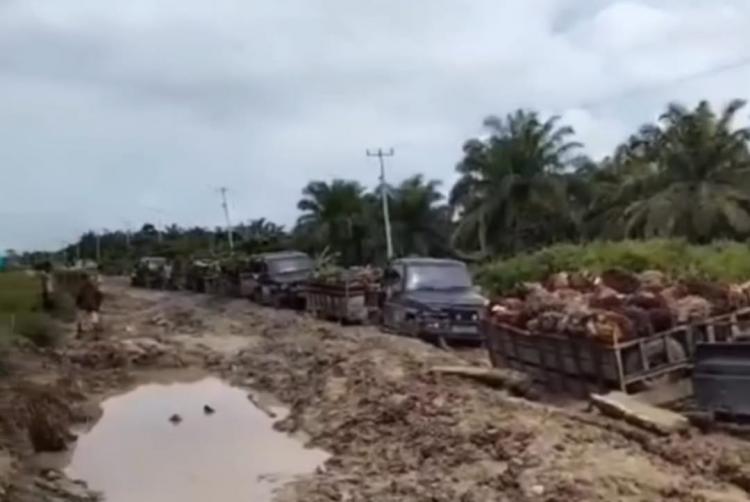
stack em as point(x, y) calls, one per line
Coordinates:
point(639, 413)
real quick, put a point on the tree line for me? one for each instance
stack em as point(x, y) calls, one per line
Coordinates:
point(524, 185)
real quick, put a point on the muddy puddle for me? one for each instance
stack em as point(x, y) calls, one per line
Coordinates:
point(227, 452)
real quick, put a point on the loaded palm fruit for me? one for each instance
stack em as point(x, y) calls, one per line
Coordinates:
point(333, 275)
point(616, 306)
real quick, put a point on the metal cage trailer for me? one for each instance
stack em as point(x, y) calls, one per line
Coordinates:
point(347, 301)
point(580, 364)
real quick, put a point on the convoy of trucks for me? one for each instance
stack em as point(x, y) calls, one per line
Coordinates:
point(429, 298)
point(435, 300)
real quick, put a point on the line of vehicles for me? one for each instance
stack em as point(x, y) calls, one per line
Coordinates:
point(430, 298)
point(436, 300)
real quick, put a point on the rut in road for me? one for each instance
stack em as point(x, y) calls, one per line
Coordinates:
point(396, 432)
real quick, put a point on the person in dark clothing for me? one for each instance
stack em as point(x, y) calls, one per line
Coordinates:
point(88, 302)
point(48, 286)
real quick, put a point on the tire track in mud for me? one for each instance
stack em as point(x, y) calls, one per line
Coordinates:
point(678, 452)
point(398, 432)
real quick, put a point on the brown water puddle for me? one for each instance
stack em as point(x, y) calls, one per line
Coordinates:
point(134, 452)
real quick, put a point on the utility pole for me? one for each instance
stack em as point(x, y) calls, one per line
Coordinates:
point(64, 253)
point(127, 235)
point(98, 247)
point(225, 206)
point(380, 154)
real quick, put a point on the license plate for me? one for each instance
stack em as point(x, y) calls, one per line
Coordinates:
point(463, 330)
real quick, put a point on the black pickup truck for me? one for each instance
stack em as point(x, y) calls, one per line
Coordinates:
point(432, 299)
point(277, 279)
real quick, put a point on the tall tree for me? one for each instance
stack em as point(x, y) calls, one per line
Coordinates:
point(420, 224)
point(261, 235)
point(694, 177)
point(334, 216)
point(512, 191)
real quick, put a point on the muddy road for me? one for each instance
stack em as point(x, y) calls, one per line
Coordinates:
point(391, 429)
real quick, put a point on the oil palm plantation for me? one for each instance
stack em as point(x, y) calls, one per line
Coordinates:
point(333, 215)
point(693, 176)
point(512, 190)
point(261, 235)
point(420, 224)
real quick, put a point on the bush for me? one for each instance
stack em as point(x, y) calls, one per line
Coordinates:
point(722, 261)
point(19, 292)
point(64, 307)
point(5, 336)
point(40, 329)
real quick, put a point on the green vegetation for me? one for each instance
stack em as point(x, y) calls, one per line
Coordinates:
point(39, 328)
point(21, 311)
point(723, 261)
point(522, 186)
point(19, 293)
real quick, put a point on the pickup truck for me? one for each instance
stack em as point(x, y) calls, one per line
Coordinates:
point(151, 272)
point(277, 279)
point(431, 298)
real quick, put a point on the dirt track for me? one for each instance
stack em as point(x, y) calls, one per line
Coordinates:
point(396, 431)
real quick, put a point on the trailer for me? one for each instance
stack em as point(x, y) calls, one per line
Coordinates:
point(721, 379)
point(346, 301)
point(579, 364)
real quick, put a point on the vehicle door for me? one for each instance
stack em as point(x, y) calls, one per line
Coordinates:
point(246, 280)
point(394, 279)
point(250, 280)
point(265, 286)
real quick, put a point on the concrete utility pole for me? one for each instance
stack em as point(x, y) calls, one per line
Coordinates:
point(225, 206)
point(384, 196)
point(64, 252)
point(128, 232)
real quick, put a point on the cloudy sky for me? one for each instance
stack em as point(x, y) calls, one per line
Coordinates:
point(113, 113)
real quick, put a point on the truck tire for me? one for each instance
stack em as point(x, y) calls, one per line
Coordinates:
point(386, 319)
point(656, 355)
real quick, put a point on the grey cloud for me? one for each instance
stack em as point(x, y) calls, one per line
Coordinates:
point(109, 109)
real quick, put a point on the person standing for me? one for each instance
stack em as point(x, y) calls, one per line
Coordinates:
point(88, 303)
point(48, 286)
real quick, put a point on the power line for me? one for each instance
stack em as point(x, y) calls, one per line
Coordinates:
point(380, 154)
point(636, 91)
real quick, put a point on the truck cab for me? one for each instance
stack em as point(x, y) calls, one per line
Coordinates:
point(277, 278)
point(151, 272)
point(433, 299)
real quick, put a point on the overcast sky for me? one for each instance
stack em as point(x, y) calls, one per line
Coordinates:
point(110, 111)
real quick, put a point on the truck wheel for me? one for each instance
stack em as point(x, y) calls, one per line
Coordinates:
point(656, 356)
point(276, 301)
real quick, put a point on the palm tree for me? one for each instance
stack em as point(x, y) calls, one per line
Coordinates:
point(604, 189)
point(420, 225)
point(512, 189)
point(260, 235)
point(333, 215)
point(694, 176)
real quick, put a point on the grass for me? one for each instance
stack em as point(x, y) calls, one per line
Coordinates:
point(724, 261)
point(21, 311)
point(19, 293)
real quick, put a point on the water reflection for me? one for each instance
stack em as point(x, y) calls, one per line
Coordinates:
point(136, 453)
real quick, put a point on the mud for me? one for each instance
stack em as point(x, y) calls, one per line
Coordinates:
point(228, 451)
point(395, 430)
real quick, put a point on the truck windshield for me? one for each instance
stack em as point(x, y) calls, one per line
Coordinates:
point(448, 276)
point(289, 265)
point(153, 263)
